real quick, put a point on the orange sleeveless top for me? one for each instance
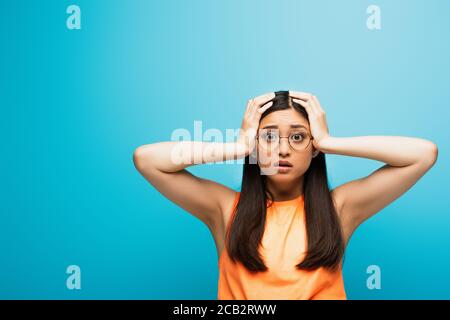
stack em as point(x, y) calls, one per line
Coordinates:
point(283, 246)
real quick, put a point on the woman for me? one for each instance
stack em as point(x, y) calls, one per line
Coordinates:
point(283, 236)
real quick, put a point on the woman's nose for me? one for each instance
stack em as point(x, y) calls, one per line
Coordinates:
point(285, 148)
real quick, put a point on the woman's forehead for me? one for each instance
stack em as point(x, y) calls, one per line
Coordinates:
point(284, 118)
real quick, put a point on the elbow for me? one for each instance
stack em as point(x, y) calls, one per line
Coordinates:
point(139, 158)
point(430, 155)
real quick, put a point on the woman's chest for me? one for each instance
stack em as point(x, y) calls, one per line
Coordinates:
point(284, 243)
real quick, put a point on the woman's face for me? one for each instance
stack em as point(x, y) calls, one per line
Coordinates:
point(284, 123)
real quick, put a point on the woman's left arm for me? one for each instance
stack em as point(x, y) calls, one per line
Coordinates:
point(407, 160)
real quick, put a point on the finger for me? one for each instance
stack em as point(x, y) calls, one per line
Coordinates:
point(312, 105)
point(250, 107)
point(302, 103)
point(249, 104)
point(306, 105)
point(264, 96)
point(300, 95)
point(260, 101)
point(265, 107)
point(317, 104)
point(263, 99)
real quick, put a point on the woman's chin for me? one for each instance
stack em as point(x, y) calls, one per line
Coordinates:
point(281, 177)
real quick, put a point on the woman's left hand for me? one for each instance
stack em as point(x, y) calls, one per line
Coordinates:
point(316, 116)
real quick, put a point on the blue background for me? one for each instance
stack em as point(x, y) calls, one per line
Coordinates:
point(76, 103)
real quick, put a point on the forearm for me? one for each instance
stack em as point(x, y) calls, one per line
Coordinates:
point(393, 150)
point(173, 156)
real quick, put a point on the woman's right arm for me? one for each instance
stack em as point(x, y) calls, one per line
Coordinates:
point(164, 168)
point(164, 164)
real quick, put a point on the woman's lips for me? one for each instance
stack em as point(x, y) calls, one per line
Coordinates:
point(283, 166)
point(284, 163)
point(283, 169)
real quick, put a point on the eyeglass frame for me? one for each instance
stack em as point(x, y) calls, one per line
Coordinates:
point(289, 141)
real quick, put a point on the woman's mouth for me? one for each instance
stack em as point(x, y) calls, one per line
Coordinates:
point(283, 166)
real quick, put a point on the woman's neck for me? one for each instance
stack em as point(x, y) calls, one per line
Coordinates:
point(285, 191)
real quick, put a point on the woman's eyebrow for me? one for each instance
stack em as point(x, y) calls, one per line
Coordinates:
point(274, 126)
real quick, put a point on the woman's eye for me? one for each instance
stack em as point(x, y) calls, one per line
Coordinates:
point(297, 137)
point(270, 137)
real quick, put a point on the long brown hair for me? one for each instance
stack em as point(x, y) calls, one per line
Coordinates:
point(324, 234)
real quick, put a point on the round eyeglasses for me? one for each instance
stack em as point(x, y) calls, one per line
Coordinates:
point(270, 140)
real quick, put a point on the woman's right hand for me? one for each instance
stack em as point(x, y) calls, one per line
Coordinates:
point(250, 122)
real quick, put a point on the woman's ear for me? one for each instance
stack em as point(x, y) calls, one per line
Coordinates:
point(315, 152)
